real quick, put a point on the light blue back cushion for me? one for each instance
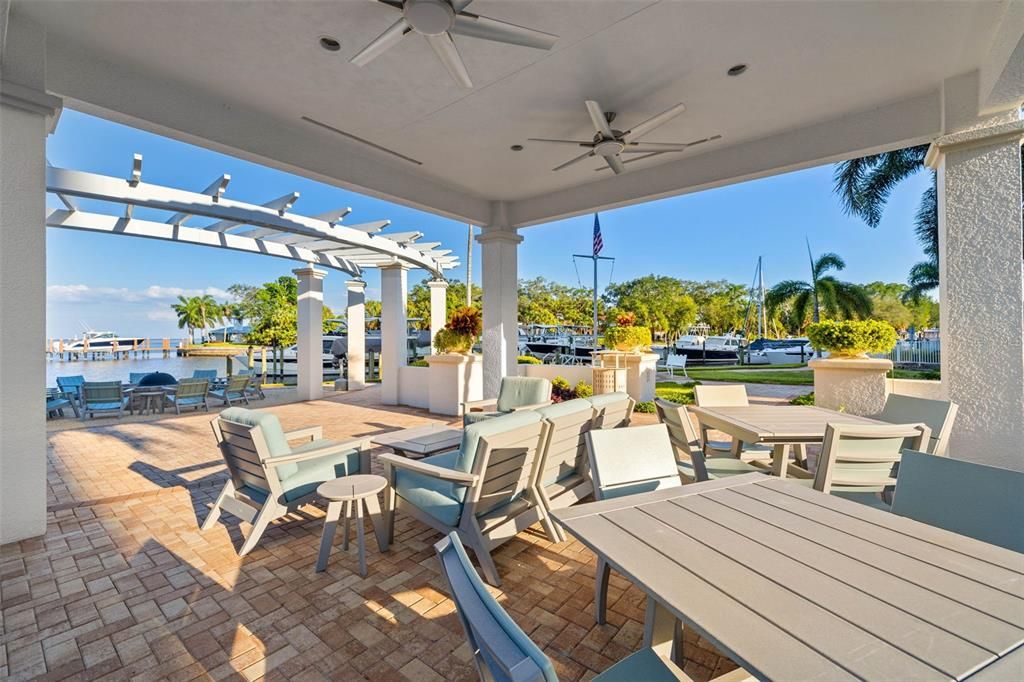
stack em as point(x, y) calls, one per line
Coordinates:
point(277, 444)
point(604, 399)
point(441, 499)
point(979, 501)
point(520, 391)
point(565, 409)
point(471, 435)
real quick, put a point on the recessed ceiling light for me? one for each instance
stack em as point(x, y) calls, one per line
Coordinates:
point(737, 70)
point(330, 44)
point(516, 147)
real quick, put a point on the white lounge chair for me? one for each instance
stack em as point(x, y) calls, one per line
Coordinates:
point(673, 362)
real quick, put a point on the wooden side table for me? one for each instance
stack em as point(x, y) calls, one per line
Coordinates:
point(351, 491)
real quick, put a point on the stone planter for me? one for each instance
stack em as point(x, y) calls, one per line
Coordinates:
point(454, 378)
point(641, 371)
point(852, 385)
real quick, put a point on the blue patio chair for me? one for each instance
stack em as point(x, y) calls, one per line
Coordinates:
point(190, 393)
point(71, 385)
point(504, 653)
point(233, 391)
point(208, 374)
point(57, 400)
point(104, 397)
point(514, 395)
point(979, 501)
point(270, 478)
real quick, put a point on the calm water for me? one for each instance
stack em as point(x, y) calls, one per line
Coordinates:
point(113, 370)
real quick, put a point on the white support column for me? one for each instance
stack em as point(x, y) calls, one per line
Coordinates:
point(27, 114)
point(394, 333)
point(438, 308)
point(982, 289)
point(310, 349)
point(501, 305)
point(355, 318)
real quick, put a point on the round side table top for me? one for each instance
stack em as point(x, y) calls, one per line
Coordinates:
point(352, 487)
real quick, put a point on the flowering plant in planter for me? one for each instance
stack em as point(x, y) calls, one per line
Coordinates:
point(463, 329)
point(852, 338)
point(628, 339)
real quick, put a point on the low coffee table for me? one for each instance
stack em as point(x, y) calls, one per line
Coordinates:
point(420, 441)
point(356, 490)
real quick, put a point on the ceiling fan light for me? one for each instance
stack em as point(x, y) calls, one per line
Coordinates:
point(737, 70)
point(329, 43)
point(429, 17)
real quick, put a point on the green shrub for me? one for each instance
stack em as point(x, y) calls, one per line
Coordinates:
point(528, 360)
point(681, 394)
point(419, 363)
point(449, 341)
point(852, 337)
point(807, 399)
point(628, 339)
point(646, 407)
point(583, 389)
point(466, 321)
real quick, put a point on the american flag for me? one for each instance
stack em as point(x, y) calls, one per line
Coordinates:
point(598, 242)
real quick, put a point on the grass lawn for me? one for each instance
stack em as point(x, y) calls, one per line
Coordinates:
point(676, 393)
point(754, 376)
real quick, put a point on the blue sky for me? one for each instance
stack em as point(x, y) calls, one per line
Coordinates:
point(127, 284)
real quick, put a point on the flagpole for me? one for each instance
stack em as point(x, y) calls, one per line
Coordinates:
point(595, 301)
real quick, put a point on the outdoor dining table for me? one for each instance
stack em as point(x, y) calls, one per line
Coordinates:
point(779, 425)
point(793, 584)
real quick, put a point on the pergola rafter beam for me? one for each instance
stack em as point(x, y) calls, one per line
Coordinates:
point(214, 190)
point(280, 204)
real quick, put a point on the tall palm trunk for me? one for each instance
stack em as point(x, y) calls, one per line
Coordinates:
point(814, 285)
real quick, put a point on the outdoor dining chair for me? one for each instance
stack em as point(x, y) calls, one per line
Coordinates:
point(208, 374)
point(977, 500)
point(255, 388)
point(938, 415)
point(268, 477)
point(104, 397)
point(694, 466)
point(732, 395)
point(233, 391)
point(190, 393)
point(504, 653)
point(485, 491)
point(565, 477)
point(623, 462)
point(71, 385)
point(57, 400)
point(612, 410)
point(514, 395)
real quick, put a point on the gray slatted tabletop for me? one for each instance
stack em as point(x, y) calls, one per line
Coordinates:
point(793, 584)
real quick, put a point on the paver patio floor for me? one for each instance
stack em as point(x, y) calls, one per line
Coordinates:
point(124, 584)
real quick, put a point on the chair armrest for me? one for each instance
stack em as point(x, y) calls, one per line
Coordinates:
point(525, 408)
point(421, 467)
point(362, 444)
point(479, 405)
point(308, 433)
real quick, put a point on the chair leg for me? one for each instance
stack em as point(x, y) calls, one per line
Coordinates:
point(211, 518)
point(389, 513)
point(479, 544)
point(604, 571)
point(800, 453)
point(267, 514)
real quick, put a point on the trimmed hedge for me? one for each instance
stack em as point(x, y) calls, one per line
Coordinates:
point(852, 337)
point(628, 339)
point(528, 360)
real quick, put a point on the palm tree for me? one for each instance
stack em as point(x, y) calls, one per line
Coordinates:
point(189, 316)
point(209, 310)
point(823, 293)
point(864, 186)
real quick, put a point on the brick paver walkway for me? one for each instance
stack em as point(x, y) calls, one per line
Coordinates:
point(124, 585)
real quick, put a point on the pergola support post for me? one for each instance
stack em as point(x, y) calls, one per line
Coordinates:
point(501, 305)
point(311, 333)
point(355, 316)
point(981, 294)
point(394, 335)
point(438, 308)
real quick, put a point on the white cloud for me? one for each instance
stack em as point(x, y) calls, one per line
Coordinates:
point(161, 314)
point(84, 293)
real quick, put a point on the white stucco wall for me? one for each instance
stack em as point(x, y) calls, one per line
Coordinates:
point(917, 388)
point(414, 386)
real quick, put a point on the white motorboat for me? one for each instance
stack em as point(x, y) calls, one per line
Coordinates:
point(94, 340)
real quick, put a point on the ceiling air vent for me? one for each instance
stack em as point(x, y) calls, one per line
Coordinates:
point(360, 140)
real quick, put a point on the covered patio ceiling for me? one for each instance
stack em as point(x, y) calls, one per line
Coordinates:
point(824, 81)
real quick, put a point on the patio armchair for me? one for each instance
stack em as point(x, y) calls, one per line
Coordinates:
point(270, 478)
point(624, 462)
point(938, 415)
point(233, 390)
point(980, 501)
point(208, 374)
point(733, 395)
point(516, 394)
point(694, 466)
point(189, 393)
point(857, 461)
point(72, 386)
point(504, 653)
point(612, 410)
point(57, 400)
point(565, 477)
point(255, 388)
point(105, 397)
point(485, 491)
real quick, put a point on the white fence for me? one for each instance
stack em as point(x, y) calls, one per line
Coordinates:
point(924, 354)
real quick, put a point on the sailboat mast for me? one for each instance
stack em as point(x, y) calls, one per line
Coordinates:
point(469, 267)
point(762, 319)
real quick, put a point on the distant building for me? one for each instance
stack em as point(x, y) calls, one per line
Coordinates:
point(230, 334)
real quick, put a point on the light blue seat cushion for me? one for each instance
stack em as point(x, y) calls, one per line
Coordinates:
point(194, 400)
point(491, 427)
point(273, 434)
point(114, 405)
point(440, 499)
point(474, 417)
point(521, 391)
point(644, 665)
point(720, 467)
point(311, 473)
point(605, 399)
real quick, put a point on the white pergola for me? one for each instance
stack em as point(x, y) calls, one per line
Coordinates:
point(826, 81)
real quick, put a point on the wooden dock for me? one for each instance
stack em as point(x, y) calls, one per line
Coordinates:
point(61, 350)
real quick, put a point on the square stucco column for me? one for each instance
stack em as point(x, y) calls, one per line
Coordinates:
point(27, 114)
point(310, 348)
point(394, 334)
point(982, 290)
point(501, 306)
point(438, 308)
point(355, 317)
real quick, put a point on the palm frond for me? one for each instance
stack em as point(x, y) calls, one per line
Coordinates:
point(864, 185)
point(924, 277)
point(853, 300)
point(784, 291)
point(826, 262)
point(926, 221)
point(848, 178)
point(801, 307)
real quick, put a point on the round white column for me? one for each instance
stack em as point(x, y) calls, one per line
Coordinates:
point(355, 317)
point(501, 306)
point(310, 349)
point(394, 334)
point(438, 308)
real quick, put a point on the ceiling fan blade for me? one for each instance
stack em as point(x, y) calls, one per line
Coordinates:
point(578, 143)
point(381, 43)
point(575, 160)
point(475, 26)
point(615, 163)
point(655, 121)
point(635, 158)
point(656, 148)
point(444, 48)
point(397, 4)
point(599, 120)
point(459, 5)
point(703, 140)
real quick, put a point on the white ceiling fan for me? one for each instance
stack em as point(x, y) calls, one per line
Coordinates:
point(437, 20)
point(609, 143)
